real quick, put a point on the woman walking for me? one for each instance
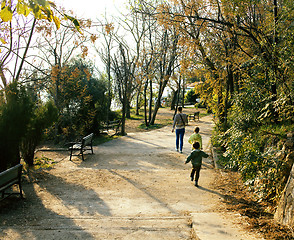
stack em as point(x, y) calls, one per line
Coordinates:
point(180, 122)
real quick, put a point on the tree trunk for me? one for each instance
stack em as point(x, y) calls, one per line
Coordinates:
point(183, 93)
point(174, 99)
point(150, 102)
point(138, 102)
point(145, 103)
point(179, 94)
point(28, 151)
point(108, 68)
point(128, 109)
point(123, 119)
point(162, 86)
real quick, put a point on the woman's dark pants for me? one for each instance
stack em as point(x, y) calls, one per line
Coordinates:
point(180, 138)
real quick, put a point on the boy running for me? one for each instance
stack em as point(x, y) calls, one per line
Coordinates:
point(196, 159)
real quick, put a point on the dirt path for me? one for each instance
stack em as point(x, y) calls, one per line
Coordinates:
point(134, 187)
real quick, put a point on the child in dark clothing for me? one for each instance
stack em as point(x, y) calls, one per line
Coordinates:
point(196, 159)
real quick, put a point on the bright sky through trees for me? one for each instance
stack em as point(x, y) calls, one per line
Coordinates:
point(93, 9)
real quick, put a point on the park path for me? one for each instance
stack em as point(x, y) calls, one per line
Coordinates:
point(134, 187)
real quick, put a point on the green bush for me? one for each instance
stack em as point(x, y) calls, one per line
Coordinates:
point(16, 109)
point(81, 100)
point(252, 145)
point(201, 104)
point(43, 117)
point(191, 96)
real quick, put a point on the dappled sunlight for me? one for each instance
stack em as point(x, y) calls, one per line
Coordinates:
point(50, 202)
point(142, 201)
point(44, 207)
point(70, 200)
point(148, 165)
point(140, 160)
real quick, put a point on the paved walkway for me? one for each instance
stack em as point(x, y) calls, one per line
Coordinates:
point(134, 187)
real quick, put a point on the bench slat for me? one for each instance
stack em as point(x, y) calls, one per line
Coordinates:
point(84, 145)
point(9, 174)
point(8, 184)
point(194, 116)
point(10, 177)
point(114, 125)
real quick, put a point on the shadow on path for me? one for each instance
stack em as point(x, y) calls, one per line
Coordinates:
point(29, 216)
point(211, 191)
point(74, 195)
point(141, 187)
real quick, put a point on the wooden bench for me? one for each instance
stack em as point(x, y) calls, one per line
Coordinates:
point(114, 125)
point(194, 116)
point(82, 146)
point(10, 177)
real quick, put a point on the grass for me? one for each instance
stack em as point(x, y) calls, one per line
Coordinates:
point(151, 127)
point(103, 138)
point(136, 117)
point(43, 163)
point(160, 122)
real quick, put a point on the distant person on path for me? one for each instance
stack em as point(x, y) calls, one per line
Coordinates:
point(195, 137)
point(180, 121)
point(196, 159)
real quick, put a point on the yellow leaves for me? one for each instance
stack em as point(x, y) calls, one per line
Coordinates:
point(109, 28)
point(52, 4)
point(182, 41)
point(75, 74)
point(174, 2)
point(185, 63)
point(41, 9)
point(22, 9)
point(84, 51)
point(42, 12)
point(42, 3)
point(85, 23)
point(3, 40)
point(93, 38)
point(88, 74)
point(6, 13)
point(54, 72)
point(168, 17)
point(74, 21)
point(56, 21)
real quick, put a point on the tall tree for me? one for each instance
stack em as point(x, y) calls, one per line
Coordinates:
point(108, 32)
point(82, 98)
point(123, 65)
point(249, 33)
point(167, 56)
point(18, 21)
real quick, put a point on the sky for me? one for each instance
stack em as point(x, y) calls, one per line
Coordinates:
point(93, 8)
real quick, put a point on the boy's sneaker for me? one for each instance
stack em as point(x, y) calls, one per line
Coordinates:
point(181, 151)
point(177, 149)
point(196, 184)
point(192, 179)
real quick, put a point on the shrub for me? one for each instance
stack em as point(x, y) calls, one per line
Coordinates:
point(191, 96)
point(252, 145)
point(16, 110)
point(42, 117)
